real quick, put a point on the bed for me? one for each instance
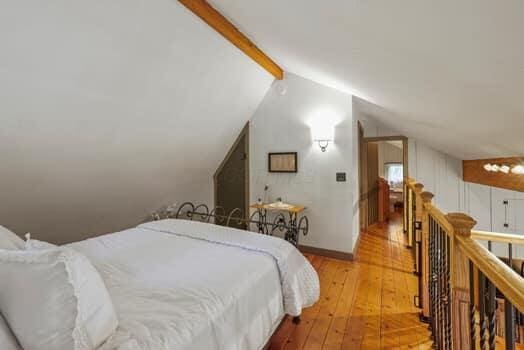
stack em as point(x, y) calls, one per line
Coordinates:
point(179, 284)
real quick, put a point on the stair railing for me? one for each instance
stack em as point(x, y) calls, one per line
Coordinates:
point(460, 280)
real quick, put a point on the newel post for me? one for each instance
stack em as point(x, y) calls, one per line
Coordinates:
point(460, 285)
point(427, 198)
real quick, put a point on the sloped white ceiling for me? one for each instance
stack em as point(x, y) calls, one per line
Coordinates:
point(111, 109)
point(449, 72)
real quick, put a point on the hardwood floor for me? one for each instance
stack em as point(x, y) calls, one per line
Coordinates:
point(364, 304)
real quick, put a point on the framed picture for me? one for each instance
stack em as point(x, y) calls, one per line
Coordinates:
point(282, 162)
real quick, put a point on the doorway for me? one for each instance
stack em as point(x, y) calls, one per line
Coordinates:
point(232, 180)
point(383, 165)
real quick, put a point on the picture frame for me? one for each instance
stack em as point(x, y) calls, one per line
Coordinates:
point(282, 162)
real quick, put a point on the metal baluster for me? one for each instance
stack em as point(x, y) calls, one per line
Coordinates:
point(413, 234)
point(420, 272)
point(491, 308)
point(439, 287)
point(519, 317)
point(436, 289)
point(414, 229)
point(509, 325)
point(448, 291)
point(443, 281)
point(434, 277)
point(431, 250)
point(509, 313)
point(472, 328)
point(482, 312)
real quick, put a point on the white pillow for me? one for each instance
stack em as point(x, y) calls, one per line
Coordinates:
point(7, 338)
point(54, 299)
point(9, 240)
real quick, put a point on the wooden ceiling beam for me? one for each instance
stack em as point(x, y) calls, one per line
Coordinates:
point(222, 25)
point(473, 171)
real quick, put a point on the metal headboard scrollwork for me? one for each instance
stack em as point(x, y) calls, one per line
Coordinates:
point(292, 226)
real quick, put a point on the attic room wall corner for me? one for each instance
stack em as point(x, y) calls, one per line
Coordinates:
point(284, 122)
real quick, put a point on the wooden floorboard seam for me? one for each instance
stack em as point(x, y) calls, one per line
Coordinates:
point(364, 304)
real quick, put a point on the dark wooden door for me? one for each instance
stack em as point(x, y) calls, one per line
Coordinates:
point(232, 181)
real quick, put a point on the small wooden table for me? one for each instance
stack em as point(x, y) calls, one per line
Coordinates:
point(292, 227)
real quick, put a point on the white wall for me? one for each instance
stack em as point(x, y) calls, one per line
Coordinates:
point(285, 123)
point(441, 174)
point(111, 109)
point(486, 205)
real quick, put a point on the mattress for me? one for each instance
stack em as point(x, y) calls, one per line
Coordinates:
point(173, 292)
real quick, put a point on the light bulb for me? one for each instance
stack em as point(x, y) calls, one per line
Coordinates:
point(518, 170)
point(487, 167)
point(505, 169)
point(495, 168)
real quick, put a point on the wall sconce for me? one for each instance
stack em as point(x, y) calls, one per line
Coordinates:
point(323, 144)
point(323, 135)
point(322, 123)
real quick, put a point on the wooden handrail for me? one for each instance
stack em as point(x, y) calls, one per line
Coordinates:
point(440, 217)
point(497, 237)
point(502, 276)
point(456, 270)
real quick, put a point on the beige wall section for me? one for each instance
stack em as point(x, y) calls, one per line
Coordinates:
point(285, 122)
point(111, 109)
point(389, 152)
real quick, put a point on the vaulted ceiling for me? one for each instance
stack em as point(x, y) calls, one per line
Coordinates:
point(111, 109)
point(448, 72)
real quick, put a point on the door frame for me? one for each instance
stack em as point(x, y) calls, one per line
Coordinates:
point(243, 133)
point(363, 202)
point(362, 165)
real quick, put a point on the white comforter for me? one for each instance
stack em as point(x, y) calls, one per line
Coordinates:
point(300, 284)
point(184, 285)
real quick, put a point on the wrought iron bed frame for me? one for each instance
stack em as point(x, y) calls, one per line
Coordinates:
point(292, 225)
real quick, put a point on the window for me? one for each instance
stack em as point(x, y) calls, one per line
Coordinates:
point(394, 174)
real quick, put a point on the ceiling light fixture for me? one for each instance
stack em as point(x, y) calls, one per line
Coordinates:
point(504, 168)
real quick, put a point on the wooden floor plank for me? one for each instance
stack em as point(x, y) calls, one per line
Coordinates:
point(364, 304)
point(324, 318)
point(297, 339)
point(335, 335)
